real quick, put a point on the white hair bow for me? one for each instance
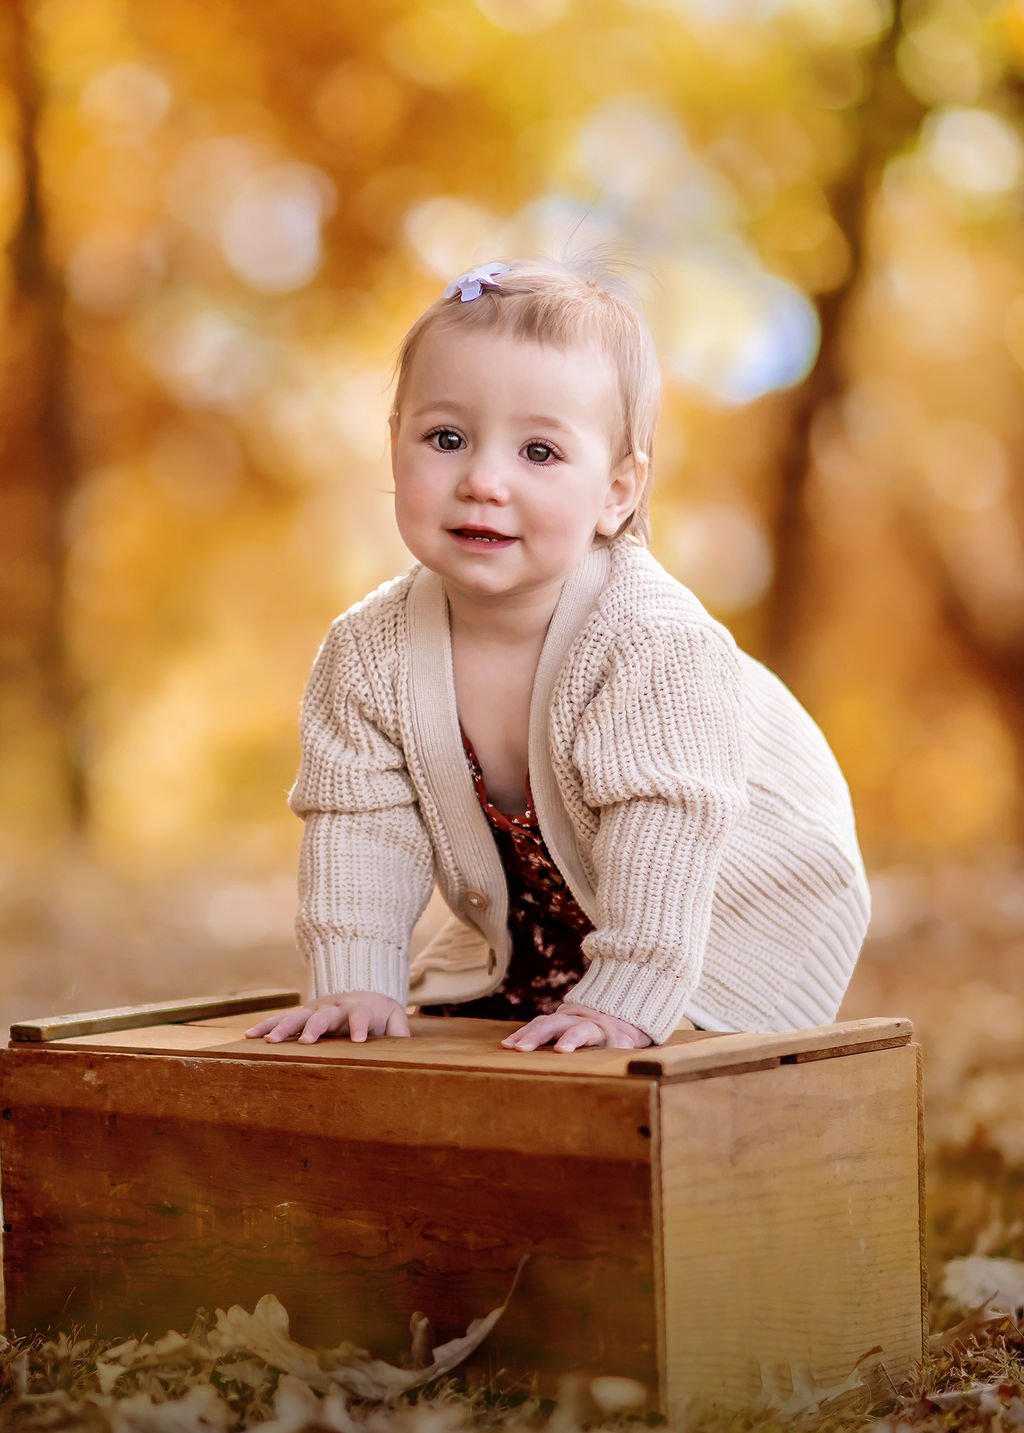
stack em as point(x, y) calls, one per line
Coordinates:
point(472, 285)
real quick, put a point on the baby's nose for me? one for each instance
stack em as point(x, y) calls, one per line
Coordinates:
point(482, 479)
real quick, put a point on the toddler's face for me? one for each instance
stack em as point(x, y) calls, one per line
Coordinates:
point(507, 461)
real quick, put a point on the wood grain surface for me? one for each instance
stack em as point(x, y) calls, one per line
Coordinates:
point(139, 1187)
point(126, 1017)
point(792, 1225)
point(459, 1043)
point(683, 1058)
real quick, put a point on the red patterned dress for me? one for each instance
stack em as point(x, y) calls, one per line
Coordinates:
point(545, 923)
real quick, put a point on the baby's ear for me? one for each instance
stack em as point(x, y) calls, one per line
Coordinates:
point(641, 466)
point(393, 435)
point(624, 493)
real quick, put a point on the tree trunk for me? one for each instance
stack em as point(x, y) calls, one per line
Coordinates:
point(37, 457)
point(888, 118)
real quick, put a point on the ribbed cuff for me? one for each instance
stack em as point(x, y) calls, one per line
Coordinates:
point(338, 965)
point(641, 994)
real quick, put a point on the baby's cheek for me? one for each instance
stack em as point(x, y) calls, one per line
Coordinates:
point(410, 507)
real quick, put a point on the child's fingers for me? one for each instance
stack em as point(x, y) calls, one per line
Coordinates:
point(359, 1018)
point(284, 1026)
point(593, 1032)
point(619, 1034)
point(397, 1023)
point(538, 1032)
point(570, 1031)
point(525, 1038)
point(360, 1015)
point(582, 1032)
point(262, 1028)
point(272, 1022)
point(617, 1040)
point(323, 1019)
point(378, 1015)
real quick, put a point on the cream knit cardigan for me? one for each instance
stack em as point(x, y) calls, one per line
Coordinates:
point(692, 805)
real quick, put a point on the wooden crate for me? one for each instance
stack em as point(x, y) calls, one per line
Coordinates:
point(714, 1218)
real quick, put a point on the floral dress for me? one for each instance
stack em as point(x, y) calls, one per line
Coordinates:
point(545, 923)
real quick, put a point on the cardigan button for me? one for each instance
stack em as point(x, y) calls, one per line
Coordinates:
point(476, 900)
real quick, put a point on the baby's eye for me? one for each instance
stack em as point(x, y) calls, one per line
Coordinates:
point(538, 452)
point(446, 439)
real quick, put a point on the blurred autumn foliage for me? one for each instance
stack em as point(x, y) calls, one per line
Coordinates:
point(217, 220)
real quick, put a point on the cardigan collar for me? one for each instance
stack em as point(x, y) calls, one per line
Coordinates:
point(436, 724)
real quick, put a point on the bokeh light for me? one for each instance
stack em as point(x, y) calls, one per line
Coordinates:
point(723, 553)
point(975, 151)
point(126, 102)
point(738, 332)
point(523, 17)
point(207, 357)
point(450, 235)
point(270, 227)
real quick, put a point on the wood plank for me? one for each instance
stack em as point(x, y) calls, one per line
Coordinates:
point(126, 1017)
point(441, 1053)
point(792, 1226)
point(465, 1044)
point(138, 1188)
point(921, 1187)
point(217, 1043)
point(686, 1058)
point(241, 1021)
point(436, 1043)
point(400, 1104)
point(155, 1039)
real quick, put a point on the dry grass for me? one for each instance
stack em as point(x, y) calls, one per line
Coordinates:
point(972, 1379)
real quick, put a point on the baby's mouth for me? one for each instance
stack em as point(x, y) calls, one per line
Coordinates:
point(480, 534)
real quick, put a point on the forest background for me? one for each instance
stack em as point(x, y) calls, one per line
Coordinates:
point(217, 218)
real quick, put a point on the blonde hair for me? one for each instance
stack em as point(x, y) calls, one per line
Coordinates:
point(565, 305)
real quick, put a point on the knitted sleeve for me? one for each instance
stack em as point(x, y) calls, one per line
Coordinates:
point(365, 867)
point(661, 753)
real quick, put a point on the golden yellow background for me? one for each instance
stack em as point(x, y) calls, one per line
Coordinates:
point(217, 221)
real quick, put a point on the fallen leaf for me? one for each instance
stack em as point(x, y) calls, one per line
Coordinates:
point(335, 1415)
point(581, 1401)
point(264, 1333)
point(19, 1375)
point(135, 1357)
point(617, 1395)
point(807, 1393)
point(200, 1409)
point(977, 1279)
point(108, 1374)
point(295, 1407)
point(994, 1399)
point(574, 1405)
point(366, 1377)
point(127, 1349)
point(422, 1340)
point(174, 1345)
point(248, 1372)
point(970, 1326)
point(449, 1355)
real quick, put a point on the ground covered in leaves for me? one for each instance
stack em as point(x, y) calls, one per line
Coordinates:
point(947, 950)
point(240, 1370)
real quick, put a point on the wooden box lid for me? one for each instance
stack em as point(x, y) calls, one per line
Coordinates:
point(214, 1028)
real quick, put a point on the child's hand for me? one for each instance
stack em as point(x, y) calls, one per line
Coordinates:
point(358, 1012)
point(572, 1027)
